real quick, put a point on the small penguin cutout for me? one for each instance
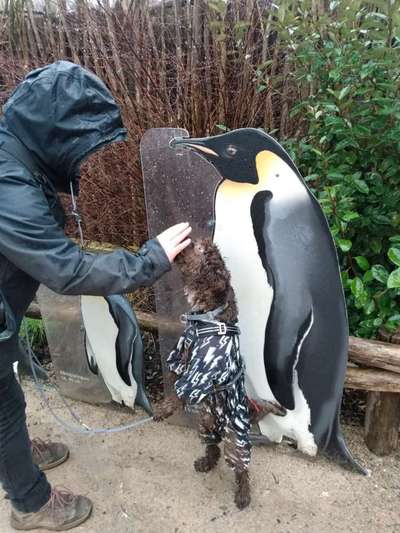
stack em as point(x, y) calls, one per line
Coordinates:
point(278, 247)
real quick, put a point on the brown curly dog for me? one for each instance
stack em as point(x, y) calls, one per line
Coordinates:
point(206, 370)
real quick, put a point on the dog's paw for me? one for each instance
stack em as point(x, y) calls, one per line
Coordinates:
point(242, 498)
point(242, 493)
point(158, 416)
point(260, 408)
point(203, 464)
point(273, 408)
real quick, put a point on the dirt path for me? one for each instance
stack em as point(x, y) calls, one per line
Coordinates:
point(143, 481)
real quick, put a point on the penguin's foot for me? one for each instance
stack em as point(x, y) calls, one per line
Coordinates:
point(308, 447)
point(210, 460)
point(242, 494)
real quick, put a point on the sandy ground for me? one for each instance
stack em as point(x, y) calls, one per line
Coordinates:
point(143, 481)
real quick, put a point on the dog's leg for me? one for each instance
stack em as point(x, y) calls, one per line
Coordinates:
point(211, 439)
point(237, 456)
point(242, 493)
point(170, 403)
point(166, 408)
point(209, 460)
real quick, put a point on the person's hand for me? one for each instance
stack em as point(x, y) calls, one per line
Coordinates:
point(174, 239)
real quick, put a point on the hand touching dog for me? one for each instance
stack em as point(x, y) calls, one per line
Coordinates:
point(175, 239)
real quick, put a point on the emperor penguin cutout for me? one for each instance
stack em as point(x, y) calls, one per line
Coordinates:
point(277, 245)
point(114, 348)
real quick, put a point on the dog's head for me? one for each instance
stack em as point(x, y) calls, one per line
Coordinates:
point(205, 276)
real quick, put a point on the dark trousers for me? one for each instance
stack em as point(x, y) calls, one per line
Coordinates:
point(26, 486)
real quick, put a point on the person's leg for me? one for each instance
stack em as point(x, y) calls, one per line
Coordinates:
point(34, 503)
point(25, 484)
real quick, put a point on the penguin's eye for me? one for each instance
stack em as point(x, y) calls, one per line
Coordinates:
point(231, 150)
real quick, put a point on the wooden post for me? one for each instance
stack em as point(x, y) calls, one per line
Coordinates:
point(382, 421)
point(382, 417)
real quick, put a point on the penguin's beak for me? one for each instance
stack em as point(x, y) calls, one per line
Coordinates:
point(198, 145)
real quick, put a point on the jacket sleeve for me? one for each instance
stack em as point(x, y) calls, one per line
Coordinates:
point(31, 239)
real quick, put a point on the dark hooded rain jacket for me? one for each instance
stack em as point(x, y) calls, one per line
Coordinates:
point(55, 118)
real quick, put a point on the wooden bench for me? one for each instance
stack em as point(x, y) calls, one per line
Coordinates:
point(378, 373)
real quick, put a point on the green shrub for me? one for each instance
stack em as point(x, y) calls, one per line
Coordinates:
point(36, 333)
point(350, 153)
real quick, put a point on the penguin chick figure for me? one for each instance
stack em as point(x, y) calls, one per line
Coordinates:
point(276, 243)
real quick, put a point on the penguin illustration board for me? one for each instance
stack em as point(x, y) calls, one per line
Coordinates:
point(96, 347)
point(114, 347)
point(276, 242)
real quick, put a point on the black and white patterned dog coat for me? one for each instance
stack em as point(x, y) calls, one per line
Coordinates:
point(210, 374)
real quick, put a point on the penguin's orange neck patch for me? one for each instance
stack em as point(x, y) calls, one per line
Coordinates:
point(266, 164)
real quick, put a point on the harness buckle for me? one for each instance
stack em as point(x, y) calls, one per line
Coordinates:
point(222, 328)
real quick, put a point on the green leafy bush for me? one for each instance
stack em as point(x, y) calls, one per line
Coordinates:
point(36, 333)
point(350, 153)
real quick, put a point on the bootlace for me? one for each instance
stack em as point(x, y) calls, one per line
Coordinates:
point(39, 446)
point(60, 498)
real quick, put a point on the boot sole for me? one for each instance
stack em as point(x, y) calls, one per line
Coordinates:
point(22, 527)
point(49, 466)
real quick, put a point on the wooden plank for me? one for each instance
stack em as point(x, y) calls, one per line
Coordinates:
point(375, 353)
point(372, 379)
point(382, 420)
point(148, 321)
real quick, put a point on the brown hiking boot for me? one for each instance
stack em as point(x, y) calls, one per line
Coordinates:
point(48, 455)
point(63, 511)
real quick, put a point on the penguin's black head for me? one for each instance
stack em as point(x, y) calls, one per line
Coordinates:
point(233, 154)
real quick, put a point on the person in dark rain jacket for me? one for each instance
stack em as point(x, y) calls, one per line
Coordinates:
point(55, 118)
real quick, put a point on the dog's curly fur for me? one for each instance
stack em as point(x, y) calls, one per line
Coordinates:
point(206, 280)
point(207, 286)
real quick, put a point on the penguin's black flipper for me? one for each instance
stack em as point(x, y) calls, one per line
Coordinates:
point(286, 350)
point(129, 347)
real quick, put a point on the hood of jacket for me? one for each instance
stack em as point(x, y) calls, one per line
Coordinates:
point(62, 113)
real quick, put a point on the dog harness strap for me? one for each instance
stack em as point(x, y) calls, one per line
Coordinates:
point(204, 317)
point(219, 329)
point(218, 388)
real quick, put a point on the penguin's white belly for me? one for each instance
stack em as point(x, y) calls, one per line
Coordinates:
point(234, 236)
point(101, 336)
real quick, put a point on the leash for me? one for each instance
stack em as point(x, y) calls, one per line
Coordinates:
point(80, 427)
point(76, 214)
